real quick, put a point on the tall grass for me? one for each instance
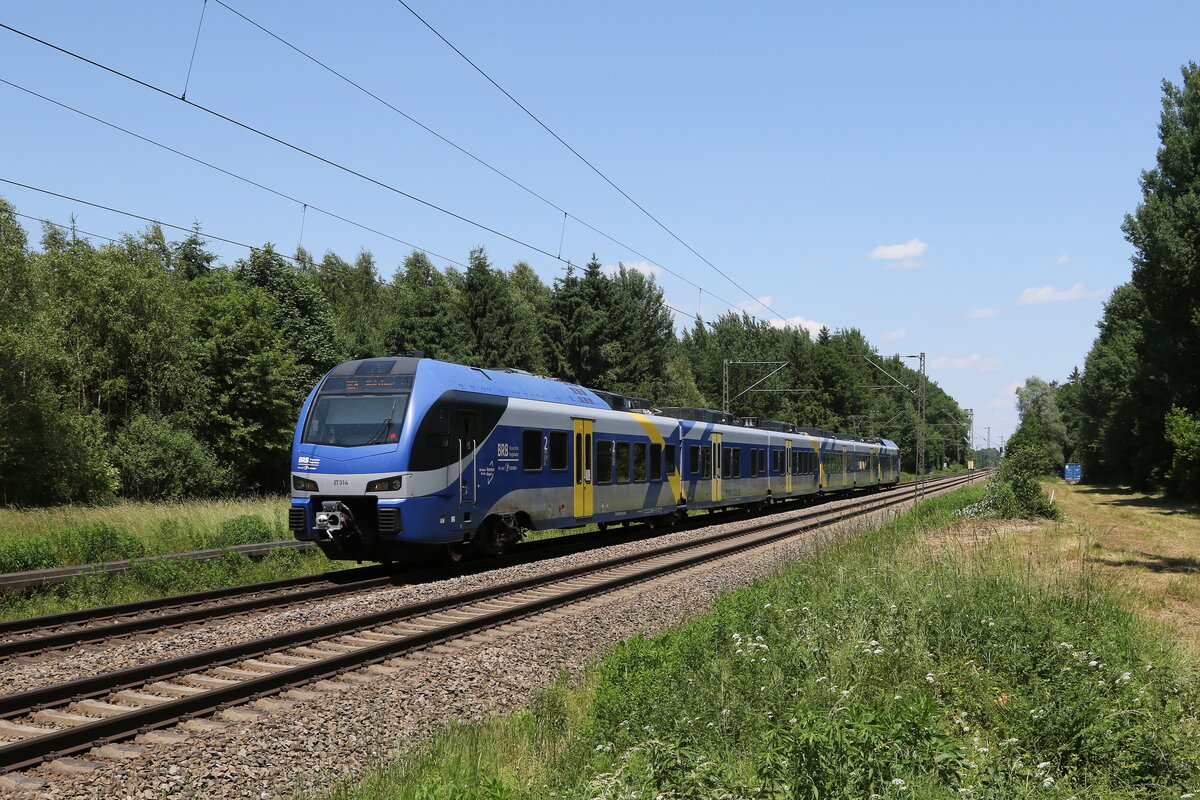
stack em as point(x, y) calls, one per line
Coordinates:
point(71, 535)
point(881, 668)
point(161, 578)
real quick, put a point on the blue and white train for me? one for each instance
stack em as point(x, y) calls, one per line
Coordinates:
point(398, 457)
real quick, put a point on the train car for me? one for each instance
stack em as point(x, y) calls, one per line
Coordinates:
point(395, 458)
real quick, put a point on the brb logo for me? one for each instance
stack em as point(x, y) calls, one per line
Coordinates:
point(307, 463)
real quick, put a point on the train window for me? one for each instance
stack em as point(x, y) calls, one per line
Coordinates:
point(531, 451)
point(622, 462)
point(670, 459)
point(777, 461)
point(726, 462)
point(559, 445)
point(579, 458)
point(737, 462)
point(705, 462)
point(639, 461)
point(753, 463)
point(604, 461)
point(694, 459)
point(762, 460)
point(656, 462)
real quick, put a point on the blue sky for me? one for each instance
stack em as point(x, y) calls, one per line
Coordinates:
point(948, 177)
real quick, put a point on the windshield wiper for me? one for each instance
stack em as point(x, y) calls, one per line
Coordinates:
point(385, 427)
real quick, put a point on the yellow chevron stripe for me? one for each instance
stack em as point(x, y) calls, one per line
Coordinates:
point(657, 438)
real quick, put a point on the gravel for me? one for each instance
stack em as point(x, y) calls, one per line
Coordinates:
point(335, 730)
point(25, 673)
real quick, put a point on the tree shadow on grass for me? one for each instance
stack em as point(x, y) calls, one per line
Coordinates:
point(1152, 562)
point(1131, 499)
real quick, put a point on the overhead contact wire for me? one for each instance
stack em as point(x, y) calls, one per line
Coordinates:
point(151, 220)
point(589, 164)
point(285, 143)
point(458, 147)
point(224, 171)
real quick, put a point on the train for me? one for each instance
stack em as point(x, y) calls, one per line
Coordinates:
point(405, 457)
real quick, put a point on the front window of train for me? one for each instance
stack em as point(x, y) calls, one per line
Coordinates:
point(358, 411)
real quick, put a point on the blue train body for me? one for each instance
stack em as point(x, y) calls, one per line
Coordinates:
point(394, 457)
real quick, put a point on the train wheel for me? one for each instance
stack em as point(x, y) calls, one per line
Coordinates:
point(492, 539)
point(454, 553)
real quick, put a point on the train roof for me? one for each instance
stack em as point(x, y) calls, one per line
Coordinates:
point(519, 383)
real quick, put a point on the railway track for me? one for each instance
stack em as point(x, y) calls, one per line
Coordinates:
point(36, 635)
point(71, 717)
point(51, 575)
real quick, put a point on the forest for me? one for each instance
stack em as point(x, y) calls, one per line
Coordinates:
point(1132, 416)
point(144, 368)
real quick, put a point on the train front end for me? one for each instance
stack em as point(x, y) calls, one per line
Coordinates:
point(350, 458)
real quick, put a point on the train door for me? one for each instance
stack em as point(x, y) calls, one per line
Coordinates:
point(466, 427)
point(717, 496)
point(787, 466)
point(582, 472)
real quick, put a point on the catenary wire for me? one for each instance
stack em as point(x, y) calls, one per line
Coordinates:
point(151, 220)
point(566, 214)
point(265, 135)
point(285, 143)
point(591, 166)
point(223, 171)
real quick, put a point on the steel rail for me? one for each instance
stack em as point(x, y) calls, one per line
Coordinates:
point(30, 751)
point(190, 608)
point(51, 575)
point(197, 606)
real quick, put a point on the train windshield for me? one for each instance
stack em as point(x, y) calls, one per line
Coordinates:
point(351, 413)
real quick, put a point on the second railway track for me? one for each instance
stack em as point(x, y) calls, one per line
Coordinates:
point(74, 716)
point(35, 635)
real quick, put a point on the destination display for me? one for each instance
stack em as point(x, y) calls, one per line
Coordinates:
point(367, 384)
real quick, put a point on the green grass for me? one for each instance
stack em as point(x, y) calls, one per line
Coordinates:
point(881, 668)
point(161, 578)
point(71, 535)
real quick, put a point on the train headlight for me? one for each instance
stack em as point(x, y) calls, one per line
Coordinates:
point(303, 484)
point(391, 484)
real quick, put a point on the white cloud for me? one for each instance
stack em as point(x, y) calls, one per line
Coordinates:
point(901, 256)
point(643, 267)
point(811, 325)
point(1006, 398)
point(974, 361)
point(892, 336)
point(1049, 294)
point(981, 313)
point(1063, 259)
point(753, 308)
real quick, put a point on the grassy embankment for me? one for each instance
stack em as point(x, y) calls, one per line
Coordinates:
point(68, 535)
point(935, 657)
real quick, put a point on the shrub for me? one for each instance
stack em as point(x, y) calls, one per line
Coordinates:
point(21, 553)
point(95, 543)
point(1183, 432)
point(160, 460)
point(245, 529)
